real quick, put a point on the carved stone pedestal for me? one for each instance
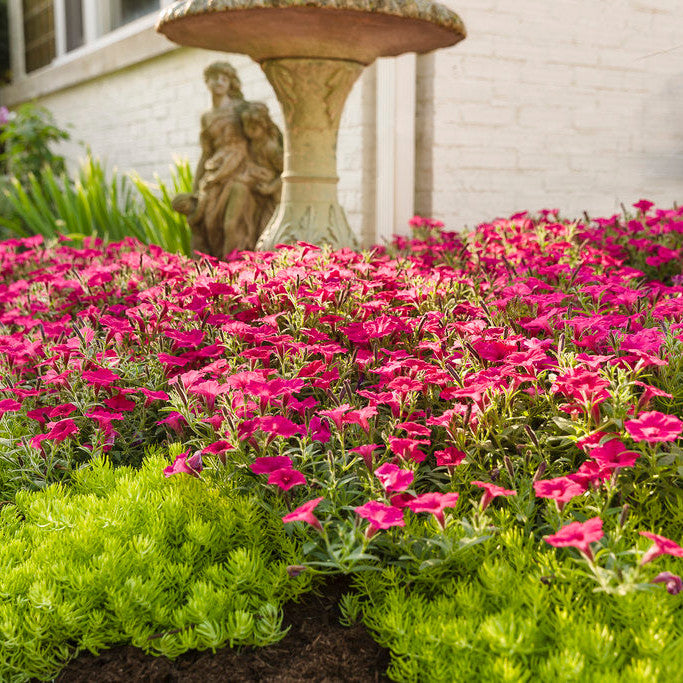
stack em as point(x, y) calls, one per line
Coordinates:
point(312, 93)
point(312, 51)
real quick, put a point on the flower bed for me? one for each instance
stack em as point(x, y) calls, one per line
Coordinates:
point(482, 430)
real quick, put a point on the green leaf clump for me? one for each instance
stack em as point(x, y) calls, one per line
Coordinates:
point(516, 613)
point(130, 557)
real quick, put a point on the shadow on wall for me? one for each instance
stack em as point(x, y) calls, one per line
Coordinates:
point(424, 135)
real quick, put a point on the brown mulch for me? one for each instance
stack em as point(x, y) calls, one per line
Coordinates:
point(316, 648)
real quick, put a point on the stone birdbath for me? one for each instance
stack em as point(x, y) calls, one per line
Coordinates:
point(312, 52)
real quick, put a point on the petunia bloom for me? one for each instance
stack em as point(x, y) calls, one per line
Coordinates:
point(393, 478)
point(184, 464)
point(449, 457)
point(408, 449)
point(380, 516)
point(435, 503)
point(614, 454)
point(578, 535)
point(286, 478)
point(365, 451)
point(491, 491)
point(9, 405)
point(654, 426)
point(270, 463)
point(304, 513)
point(662, 546)
point(219, 448)
point(561, 490)
point(674, 584)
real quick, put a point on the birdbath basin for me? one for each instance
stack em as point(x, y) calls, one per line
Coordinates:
point(312, 52)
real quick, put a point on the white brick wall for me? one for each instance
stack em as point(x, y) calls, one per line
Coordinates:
point(562, 103)
point(566, 103)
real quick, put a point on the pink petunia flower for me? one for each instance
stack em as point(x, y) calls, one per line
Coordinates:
point(102, 377)
point(662, 546)
point(319, 430)
point(59, 431)
point(591, 474)
point(435, 503)
point(186, 465)
point(491, 491)
point(578, 535)
point(175, 421)
point(674, 584)
point(408, 449)
point(219, 448)
point(614, 454)
point(654, 426)
point(269, 463)
point(393, 478)
point(336, 415)
point(643, 205)
point(9, 405)
point(561, 490)
point(360, 417)
point(276, 425)
point(380, 516)
point(449, 457)
point(286, 478)
point(365, 451)
point(304, 513)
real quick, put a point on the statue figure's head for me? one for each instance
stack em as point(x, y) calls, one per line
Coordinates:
point(256, 121)
point(222, 76)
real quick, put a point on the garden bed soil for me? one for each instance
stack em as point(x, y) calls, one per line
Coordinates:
point(316, 648)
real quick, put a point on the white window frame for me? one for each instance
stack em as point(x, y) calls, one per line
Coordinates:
point(102, 52)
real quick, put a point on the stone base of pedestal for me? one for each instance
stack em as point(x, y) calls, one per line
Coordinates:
point(315, 222)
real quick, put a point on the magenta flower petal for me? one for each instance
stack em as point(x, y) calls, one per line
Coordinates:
point(380, 516)
point(661, 546)
point(270, 463)
point(561, 490)
point(491, 491)
point(654, 426)
point(304, 513)
point(434, 503)
point(9, 405)
point(578, 535)
point(449, 457)
point(185, 465)
point(674, 584)
point(286, 478)
point(393, 478)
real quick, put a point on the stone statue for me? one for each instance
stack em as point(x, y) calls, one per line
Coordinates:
point(237, 183)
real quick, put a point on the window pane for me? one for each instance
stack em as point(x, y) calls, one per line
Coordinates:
point(74, 24)
point(39, 33)
point(123, 11)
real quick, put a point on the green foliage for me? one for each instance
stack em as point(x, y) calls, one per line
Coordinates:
point(26, 140)
point(130, 557)
point(520, 614)
point(51, 204)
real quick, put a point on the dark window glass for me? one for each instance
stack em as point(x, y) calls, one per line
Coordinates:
point(132, 9)
point(74, 24)
point(39, 33)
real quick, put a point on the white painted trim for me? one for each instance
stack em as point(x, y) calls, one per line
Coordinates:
point(91, 22)
point(395, 151)
point(16, 38)
point(60, 27)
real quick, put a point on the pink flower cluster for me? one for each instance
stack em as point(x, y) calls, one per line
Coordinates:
point(395, 360)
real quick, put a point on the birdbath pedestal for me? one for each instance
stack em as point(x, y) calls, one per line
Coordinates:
point(312, 52)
